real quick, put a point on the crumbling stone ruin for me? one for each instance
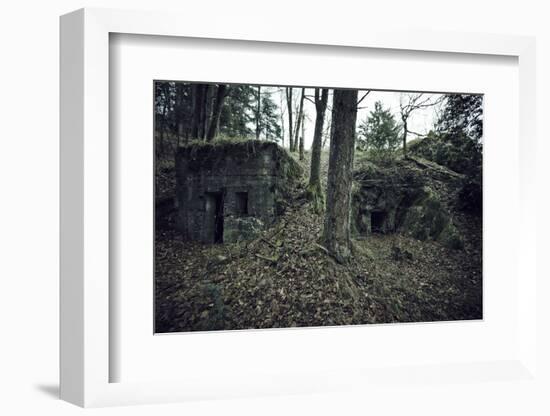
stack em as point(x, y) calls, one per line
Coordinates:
point(229, 191)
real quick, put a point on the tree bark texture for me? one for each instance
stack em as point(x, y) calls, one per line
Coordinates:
point(405, 137)
point(282, 121)
point(289, 105)
point(179, 109)
point(336, 233)
point(200, 92)
point(216, 112)
point(207, 107)
point(298, 120)
point(316, 146)
point(258, 114)
point(302, 138)
point(196, 91)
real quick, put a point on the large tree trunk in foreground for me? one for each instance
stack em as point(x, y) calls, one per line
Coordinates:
point(216, 113)
point(315, 192)
point(289, 105)
point(336, 233)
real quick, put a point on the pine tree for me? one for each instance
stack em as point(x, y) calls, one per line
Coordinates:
point(269, 119)
point(463, 115)
point(379, 131)
point(238, 112)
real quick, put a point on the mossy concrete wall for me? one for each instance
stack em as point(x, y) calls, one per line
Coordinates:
point(259, 169)
point(415, 196)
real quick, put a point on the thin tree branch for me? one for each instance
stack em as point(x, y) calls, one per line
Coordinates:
point(415, 133)
point(363, 97)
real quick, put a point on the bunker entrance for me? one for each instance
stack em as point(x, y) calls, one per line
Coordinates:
point(214, 217)
point(377, 221)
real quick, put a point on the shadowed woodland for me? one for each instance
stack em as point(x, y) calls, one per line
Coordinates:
point(290, 207)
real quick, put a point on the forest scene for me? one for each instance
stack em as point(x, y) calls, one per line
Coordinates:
point(288, 206)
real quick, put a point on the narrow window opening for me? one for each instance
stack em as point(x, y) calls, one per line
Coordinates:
point(242, 203)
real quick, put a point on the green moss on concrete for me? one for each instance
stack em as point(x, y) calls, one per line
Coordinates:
point(427, 218)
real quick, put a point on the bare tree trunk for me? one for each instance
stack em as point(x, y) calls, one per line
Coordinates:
point(336, 233)
point(162, 127)
point(298, 120)
point(202, 111)
point(282, 121)
point(314, 191)
point(327, 135)
point(205, 116)
point(289, 105)
point(405, 137)
point(182, 124)
point(316, 146)
point(258, 114)
point(328, 131)
point(302, 137)
point(216, 112)
point(198, 109)
point(408, 103)
point(179, 109)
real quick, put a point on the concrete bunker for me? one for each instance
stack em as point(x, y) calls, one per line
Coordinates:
point(412, 197)
point(230, 191)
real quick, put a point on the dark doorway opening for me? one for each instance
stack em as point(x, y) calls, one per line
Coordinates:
point(242, 203)
point(214, 217)
point(377, 221)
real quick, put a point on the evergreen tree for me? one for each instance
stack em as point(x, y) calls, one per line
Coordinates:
point(379, 131)
point(462, 116)
point(456, 144)
point(238, 112)
point(269, 119)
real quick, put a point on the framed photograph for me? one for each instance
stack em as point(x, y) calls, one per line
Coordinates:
point(253, 233)
point(272, 213)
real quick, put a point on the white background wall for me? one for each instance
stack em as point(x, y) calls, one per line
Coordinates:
point(29, 183)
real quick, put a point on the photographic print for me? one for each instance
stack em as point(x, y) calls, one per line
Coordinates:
point(290, 206)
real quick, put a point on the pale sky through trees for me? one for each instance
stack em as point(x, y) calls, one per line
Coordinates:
point(420, 121)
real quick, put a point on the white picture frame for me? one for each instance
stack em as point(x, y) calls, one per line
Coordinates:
point(85, 164)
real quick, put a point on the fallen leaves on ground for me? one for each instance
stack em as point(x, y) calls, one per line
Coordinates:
point(285, 278)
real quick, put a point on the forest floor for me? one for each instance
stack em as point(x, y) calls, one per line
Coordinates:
point(284, 278)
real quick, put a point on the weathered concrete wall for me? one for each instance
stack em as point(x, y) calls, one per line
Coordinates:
point(382, 196)
point(250, 167)
point(416, 198)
